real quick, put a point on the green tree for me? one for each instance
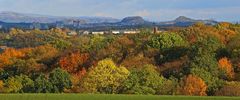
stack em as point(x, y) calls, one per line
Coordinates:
point(60, 80)
point(145, 80)
point(97, 42)
point(60, 44)
point(204, 64)
point(106, 77)
point(213, 82)
point(166, 41)
point(42, 84)
point(171, 46)
point(169, 87)
point(234, 48)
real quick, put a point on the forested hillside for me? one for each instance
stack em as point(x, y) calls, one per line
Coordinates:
point(196, 60)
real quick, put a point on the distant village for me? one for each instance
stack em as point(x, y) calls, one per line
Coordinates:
point(115, 32)
point(74, 32)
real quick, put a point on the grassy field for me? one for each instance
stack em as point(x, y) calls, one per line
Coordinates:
point(104, 97)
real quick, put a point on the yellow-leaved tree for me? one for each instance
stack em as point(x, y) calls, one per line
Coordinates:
point(106, 77)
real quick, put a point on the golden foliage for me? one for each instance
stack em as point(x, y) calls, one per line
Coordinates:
point(44, 52)
point(1, 86)
point(27, 56)
point(222, 31)
point(226, 65)
point(9, 54)
point(224, 24)
point(193, 85)
point(58, 32)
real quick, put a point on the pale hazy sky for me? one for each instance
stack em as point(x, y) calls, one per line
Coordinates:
point(156, 10)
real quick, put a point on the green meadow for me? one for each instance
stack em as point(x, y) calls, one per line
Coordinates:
point(105, 97)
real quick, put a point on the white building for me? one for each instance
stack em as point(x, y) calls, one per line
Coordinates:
point(100, 32)
point(85, 32)
point(3, 47)
point(131, 32)
point(115, 32)
point(72, 33)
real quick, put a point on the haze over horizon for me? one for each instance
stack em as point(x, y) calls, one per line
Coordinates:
point(154, 10)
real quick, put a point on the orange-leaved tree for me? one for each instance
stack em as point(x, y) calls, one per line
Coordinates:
point(74, 62)
point(7, 57)
point(193, 85)
point(1, 86)
point(225, 65)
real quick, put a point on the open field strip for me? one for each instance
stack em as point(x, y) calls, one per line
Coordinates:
point(105, 97)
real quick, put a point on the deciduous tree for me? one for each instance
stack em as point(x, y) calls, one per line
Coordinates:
point(225, 65)
point(145, 80)
point(7, 57)
point(74, 62)
point(193, 85)
point(42, 85)
point(60, 80)
point(106, 77)
point(19, 84)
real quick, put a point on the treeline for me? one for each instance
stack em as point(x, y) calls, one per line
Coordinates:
point(197, 60)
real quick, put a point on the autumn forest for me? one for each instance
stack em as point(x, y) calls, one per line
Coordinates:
point(199, 60)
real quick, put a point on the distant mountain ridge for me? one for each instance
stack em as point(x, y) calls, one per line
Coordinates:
point(179, 21)
point(185, 21)
point(30, 21)
point(13, 17)
point(133, 20)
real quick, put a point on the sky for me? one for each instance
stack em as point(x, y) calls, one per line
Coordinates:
point(152, 10)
